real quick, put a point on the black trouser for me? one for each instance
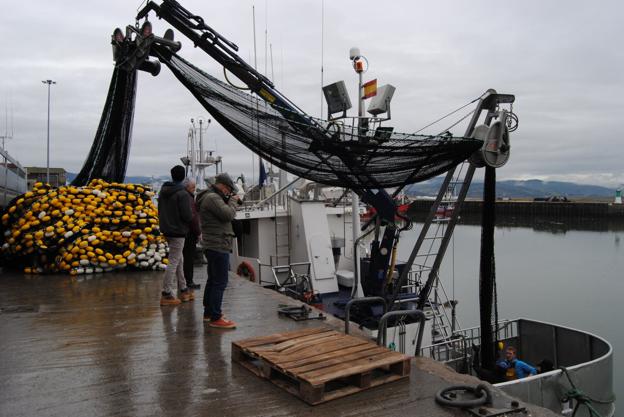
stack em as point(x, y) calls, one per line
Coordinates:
point(189, 257)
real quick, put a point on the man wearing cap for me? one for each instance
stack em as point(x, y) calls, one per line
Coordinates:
point(175, 215)
point(217, 209)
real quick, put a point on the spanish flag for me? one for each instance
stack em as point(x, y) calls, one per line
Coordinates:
point(370, 89)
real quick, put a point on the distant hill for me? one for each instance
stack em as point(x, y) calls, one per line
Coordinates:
point(519, 189)
point(129, 179)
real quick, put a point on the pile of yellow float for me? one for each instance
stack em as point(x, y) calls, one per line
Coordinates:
point(83, 230)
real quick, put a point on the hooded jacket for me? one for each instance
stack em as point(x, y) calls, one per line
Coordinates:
point(174, 210)
point(194, 227)
point(216, 215)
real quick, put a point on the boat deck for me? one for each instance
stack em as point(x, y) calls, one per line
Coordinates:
point(102, 346)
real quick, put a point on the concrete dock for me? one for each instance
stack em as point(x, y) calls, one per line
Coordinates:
point(102, 346)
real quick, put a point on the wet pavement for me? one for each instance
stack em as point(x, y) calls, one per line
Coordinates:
point(102, 346)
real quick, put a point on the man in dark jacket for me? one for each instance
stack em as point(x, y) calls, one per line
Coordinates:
point(190, 242)
point(217, 209)
point(175, 215)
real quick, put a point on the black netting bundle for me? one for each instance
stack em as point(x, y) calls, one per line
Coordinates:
point(321, 151)
point(108, 157)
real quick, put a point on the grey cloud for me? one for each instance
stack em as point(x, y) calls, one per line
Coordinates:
point(562, 60)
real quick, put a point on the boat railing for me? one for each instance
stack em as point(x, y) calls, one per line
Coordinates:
point(587, 359)
point(457, 351)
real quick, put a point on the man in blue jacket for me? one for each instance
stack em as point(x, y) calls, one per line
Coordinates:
point(175, 215)
point(515, 368)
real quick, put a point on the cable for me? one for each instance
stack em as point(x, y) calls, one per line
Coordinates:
point(230, 83)
point(445, 116)
point(457, 122)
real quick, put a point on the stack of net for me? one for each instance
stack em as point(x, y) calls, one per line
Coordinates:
point(81, 230)
point(321, 151)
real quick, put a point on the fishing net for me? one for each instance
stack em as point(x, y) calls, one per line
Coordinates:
point(82, 230)
point(108, 157)
point(326, 152)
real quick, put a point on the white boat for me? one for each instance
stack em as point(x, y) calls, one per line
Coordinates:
point(12, 178)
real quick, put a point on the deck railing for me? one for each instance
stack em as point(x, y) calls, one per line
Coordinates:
point(587, 359)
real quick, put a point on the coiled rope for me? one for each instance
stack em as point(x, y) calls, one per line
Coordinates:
point(581, 398)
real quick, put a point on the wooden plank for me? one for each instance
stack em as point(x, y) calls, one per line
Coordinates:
point(342, 370)
point(351, 389)
point(362, 380)
point(310, 393)
point(241, 357)
point(324, 356)
point(402, 368)
point(277, 347)
point(306, 348)
point(311, 351)
point(371, 351)
point(316, 341)
point(306, 364)
point(293, 345)
point(279, 337)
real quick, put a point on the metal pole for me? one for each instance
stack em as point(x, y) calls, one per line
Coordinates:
point(48, 147)
point(275, 194)
point(193, 155)
point(355, 199)
point(49, 83)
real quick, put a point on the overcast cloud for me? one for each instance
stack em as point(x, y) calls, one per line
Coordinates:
point(563, 61)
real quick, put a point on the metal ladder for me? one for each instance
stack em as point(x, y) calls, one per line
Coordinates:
point(282, 238)
point(431, 244)
point(430, 256)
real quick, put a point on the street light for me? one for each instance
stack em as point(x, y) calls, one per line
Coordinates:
point(357, 60)
point(49, 83)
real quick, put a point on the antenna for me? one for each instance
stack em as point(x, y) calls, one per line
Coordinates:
point(272, 71)
point(6, 125)
point(266, 35)
point(322, 50)
point(253, 13)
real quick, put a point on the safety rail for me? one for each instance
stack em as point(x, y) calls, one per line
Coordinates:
point(383, 326)
point(587, 358)
point(294, 283)
point(362, 300)
point(459, 348)
point(588, 362)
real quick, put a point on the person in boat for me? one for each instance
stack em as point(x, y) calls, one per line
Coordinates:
point(546, 365)
point(514, 368)
point(217, 209)
point(175, 215)
point(192, 237)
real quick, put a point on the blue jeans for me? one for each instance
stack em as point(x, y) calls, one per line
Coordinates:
point(218, 266)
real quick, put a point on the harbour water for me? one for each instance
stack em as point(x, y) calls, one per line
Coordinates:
point(569, 273)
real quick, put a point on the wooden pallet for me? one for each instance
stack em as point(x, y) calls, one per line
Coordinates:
point(319, 364)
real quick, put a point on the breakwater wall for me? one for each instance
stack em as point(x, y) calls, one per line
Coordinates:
point(569, 209)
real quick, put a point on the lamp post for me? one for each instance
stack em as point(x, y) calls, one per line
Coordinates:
point(49, 83)
point(358, 65)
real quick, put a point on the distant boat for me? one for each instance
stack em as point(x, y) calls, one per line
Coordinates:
point(12, 178)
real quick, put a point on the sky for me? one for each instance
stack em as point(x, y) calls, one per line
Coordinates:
point(563, 60)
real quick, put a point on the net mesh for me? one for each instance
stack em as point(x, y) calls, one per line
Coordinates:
point(326, 152)
point(108, 157)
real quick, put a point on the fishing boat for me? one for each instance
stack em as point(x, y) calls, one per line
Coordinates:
point(293, 243)
point(13, 180)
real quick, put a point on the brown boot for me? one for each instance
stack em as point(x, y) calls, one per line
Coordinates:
point(187, 295)
point(169, 300)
